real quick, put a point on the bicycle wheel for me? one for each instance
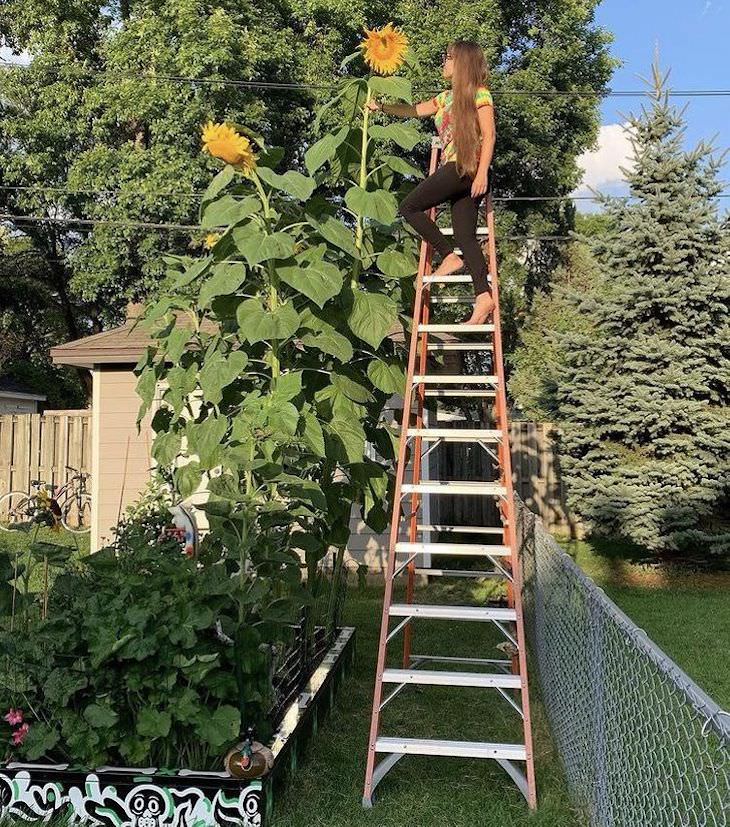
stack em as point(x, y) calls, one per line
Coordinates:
point(16, 510)
point(76, 514)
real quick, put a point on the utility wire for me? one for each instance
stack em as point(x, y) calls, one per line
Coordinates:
point(199, 195)
point(284, 85)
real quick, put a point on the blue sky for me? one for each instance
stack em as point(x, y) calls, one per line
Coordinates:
point(693, 39)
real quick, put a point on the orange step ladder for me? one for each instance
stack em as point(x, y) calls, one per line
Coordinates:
point(507, 676)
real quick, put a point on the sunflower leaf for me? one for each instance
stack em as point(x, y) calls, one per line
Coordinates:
point(378, 204)
point(292, 182)
point(405, 136)
point(372, 316)
point(394, 87)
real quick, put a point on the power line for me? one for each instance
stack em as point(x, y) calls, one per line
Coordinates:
point(199, 195)
point(286, 85)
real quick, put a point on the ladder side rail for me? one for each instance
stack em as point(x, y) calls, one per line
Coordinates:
point(424, 260)
point(510, 528)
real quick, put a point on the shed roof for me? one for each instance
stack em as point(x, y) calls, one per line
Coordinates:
point(122, 345)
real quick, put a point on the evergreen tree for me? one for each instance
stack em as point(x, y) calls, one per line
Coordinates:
point(643, 397)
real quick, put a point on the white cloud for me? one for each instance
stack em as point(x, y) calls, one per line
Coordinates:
point(601, 165)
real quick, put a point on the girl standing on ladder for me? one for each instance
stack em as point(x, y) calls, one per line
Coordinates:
point(464, 118)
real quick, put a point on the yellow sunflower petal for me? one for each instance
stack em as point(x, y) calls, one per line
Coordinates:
point(211, 240)
point(384, 49)
point(223, 142)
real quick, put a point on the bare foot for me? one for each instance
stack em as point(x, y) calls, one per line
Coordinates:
point(450, 264)
point(483, 307)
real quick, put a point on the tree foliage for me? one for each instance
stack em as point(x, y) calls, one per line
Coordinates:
point(642, 395)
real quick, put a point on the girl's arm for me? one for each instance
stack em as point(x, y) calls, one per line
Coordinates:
point(489, 136)
point(405, 110)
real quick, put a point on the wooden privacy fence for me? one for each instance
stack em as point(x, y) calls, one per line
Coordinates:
point(35, 446)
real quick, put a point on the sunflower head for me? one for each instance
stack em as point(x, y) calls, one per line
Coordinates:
point(222, 141)
point(384, 49)
point(211, 240)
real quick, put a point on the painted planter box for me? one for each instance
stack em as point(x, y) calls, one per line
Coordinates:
point(121, 796)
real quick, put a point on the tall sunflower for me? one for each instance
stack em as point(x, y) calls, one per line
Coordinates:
point(384, 49)
point(222, 141)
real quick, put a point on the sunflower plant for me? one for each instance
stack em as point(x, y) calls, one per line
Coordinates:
point(280, 346)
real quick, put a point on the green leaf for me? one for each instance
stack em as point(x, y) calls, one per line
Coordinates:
point(196, 269)
point(291, 182)
point(319, 281)
point(39, 741)
point(166, 447)
point(394, 87)
point(175, 343)
point(334, 231)
point(324, 149)
point(372, 316)
point(225, 279)
point(100, 716)
point(219, 371)
point(308, 491)
point(395, 264)
point(313, 435)
point(258, 324)
point(378, 204)
point(351, 435)
point(352, 389)
point(153, 724)
point(261, 247)
point(387, 376)
point(325, 337)
point(283, 417)
point(405, 136)
point(187, 478)
point(402, 166)
point(228, 210)
point(222, 726)
point(146, 387)
point(288, 385)
point(204, 439)
point(219, 183)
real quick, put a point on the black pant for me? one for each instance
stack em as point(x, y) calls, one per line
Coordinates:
point(446, 185)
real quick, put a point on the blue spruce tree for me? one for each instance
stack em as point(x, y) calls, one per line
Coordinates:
point(643, 399)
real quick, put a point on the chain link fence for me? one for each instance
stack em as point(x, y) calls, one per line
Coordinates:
point(641, 743)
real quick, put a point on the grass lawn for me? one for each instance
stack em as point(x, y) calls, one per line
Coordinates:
point(11, 541)
point(686, 613)
point(419, 791)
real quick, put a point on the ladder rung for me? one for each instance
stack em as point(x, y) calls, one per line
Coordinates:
point(463, 529)
point(464, 573)
point(451, 379)
point(460, 278)
point(456, 328)
point(457, 434)
point(424, 677)
point(459, 392)
point(450, 230)
point(485, 489)
point(453, 549)
point(436, 346)
point(478, 613)
point(451, 749)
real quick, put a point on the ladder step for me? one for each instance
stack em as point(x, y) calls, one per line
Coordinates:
point(484, 489)
point(477, 613)
point(456, 328)
point(424, 677)
point(439, 346)
point(450, 379)
point(452, 299)
point(459, 392)
point(453, 549)
point(463, 529)
point(451, 749)
point(461, 278)
point(450, 230)
point(465, 573)
point(457, 434)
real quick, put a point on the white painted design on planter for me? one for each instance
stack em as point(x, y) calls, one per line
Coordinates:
point(140, 805)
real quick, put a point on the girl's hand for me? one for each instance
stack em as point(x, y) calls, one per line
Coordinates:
point(374, 106)
point(479, 184)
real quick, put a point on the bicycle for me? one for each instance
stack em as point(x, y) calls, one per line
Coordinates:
point(68, 505)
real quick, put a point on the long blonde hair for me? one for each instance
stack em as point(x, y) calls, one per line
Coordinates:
point(470, 72)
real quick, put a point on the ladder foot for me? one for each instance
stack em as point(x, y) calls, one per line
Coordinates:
point(367, 802)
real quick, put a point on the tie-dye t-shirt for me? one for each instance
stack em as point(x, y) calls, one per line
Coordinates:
point(442, 118)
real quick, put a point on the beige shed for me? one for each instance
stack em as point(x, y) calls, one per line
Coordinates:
point(120, 455)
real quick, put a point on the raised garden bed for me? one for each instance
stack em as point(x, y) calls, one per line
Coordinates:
point(153, 797)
